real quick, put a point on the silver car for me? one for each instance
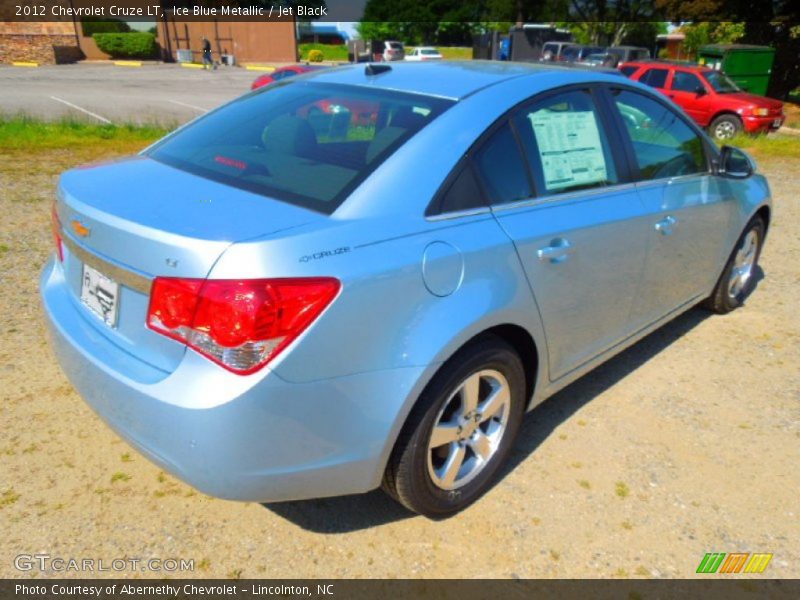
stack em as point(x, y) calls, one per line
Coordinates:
point(283, 300)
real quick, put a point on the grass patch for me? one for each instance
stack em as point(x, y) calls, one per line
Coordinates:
point(455, 52)
point(8, 498)
point(337, 52)
point(120, 476)
point(25, 133)
point(769, 146)
point(585, 484)
point(622, 490)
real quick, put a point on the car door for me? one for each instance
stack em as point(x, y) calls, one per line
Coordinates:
point(688, 92)
point(559, 191)
point(656, 78)
point(689, 211)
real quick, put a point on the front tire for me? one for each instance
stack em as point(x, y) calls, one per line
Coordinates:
point(725, 127)
point(460, 431)
point(738, 279)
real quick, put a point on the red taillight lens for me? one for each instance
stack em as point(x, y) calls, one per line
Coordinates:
point(241, 325)
point(55, 225)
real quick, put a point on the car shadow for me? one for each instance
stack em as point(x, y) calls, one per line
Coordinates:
point(352, 513)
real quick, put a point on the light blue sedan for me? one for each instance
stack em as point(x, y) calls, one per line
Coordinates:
point(283, 300)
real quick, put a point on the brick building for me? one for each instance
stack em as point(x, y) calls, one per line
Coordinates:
point(44, 43)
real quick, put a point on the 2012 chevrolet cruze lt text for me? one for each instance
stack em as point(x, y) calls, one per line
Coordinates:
point(365, 276)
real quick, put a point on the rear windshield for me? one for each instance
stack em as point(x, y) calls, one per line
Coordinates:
point(305, 143)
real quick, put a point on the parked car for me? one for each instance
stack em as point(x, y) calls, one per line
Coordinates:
point(271, 313)
point(710, 98)
point(626, 54)
point(424, 53)
point(600, 59)
point(553, 51)
point(578, 53)
point(393, 51)
point(283, 73)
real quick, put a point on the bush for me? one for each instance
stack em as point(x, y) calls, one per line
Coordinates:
point(316, 56)
point(92, 25)
point(127, 45)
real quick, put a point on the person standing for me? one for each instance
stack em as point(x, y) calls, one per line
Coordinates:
point(208, 61)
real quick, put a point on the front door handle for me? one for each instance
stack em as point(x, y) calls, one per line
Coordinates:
point(665, 225)
point(557, 252)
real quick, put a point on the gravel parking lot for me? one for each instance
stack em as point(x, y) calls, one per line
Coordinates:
point(153, 93)
point(685, 444)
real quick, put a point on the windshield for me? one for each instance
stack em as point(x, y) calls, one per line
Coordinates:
point(720, 82)
point(306, 143)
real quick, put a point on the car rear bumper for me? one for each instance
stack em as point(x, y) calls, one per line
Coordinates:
point(255, 438)
point(762, 124)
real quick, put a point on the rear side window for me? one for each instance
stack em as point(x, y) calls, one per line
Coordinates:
point(302, 142)
point(463, 193)
point(664, 144)
point(685, 82)
point(656, 78)
point(629, 70)
point(502, 169)
point(566, 144)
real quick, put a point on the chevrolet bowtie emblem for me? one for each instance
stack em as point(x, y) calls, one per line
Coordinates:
point(80, 229)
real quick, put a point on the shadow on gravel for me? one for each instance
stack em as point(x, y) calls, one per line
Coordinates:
point(352, 513)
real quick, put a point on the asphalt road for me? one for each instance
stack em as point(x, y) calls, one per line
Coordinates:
point(160, 93)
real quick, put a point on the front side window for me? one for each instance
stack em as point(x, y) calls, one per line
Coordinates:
point(302, 142)
point(720, 82)
point(502, 169)
point(656, 78)
point(664, 144)
point(683, 81)
point(565, 143)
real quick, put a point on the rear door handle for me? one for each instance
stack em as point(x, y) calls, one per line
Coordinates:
point(557, 252)
point(665, 225)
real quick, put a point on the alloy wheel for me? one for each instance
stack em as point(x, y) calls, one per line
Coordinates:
point(468, 429)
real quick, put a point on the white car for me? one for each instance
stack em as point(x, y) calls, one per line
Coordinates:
point(424, 53)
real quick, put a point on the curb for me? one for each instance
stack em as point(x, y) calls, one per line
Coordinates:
point(191, 66)
point(128, 63)
point(24, 63)
point(258, 68)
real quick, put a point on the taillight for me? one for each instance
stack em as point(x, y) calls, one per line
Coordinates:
point(239, 324)
point(55, 225)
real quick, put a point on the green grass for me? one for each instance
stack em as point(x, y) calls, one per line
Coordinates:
point(337, 52)
point(768, 146)
point(449, 52)
point(26, 133)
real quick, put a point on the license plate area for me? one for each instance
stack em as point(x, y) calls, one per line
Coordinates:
point(100, 294)
point(776, 123)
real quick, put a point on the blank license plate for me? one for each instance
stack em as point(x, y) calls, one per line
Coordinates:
point(100, 294)
point(776, 123)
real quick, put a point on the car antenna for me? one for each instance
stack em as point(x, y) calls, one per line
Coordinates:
point(371, 69)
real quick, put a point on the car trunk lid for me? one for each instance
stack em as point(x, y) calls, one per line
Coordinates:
point(135, 219)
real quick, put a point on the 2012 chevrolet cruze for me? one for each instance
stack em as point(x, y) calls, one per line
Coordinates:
point(280, 302)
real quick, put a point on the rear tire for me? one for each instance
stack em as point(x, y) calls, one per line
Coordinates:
point(460, 431)
point(738, 279)
point(725, 127)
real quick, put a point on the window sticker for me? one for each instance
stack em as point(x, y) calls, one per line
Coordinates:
point(569, 147)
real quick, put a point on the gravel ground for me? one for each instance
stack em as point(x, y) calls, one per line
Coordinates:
point(686, 443)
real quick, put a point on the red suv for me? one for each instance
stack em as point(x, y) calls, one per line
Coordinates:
point(709, 97)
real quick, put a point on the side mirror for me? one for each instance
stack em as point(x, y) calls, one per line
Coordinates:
point(735, 163)
point(700, 90)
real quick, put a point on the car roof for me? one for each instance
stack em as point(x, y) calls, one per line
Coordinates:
point(446, 79)
point(689, 66)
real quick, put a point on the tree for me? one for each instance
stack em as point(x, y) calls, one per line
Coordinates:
point(703, 33)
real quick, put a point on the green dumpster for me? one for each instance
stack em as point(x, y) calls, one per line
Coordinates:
point(750, 67)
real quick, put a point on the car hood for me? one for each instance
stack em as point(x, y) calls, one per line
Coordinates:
point(746, 99)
